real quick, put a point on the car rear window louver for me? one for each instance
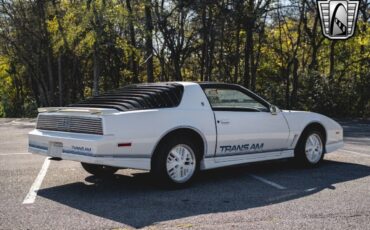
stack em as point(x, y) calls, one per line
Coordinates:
point(137, 97)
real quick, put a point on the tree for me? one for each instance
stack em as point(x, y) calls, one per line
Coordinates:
point(59, 52)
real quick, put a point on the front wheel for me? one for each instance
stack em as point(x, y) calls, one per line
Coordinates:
point(99, 170)
point(310, 149)
point(176, 163)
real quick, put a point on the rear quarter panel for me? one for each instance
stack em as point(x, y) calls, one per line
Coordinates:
point(145, 128)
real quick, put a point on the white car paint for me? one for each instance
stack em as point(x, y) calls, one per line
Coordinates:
point(240, 127)
point(143, 129)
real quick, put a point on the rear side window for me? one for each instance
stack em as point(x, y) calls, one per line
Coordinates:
point(231, 99)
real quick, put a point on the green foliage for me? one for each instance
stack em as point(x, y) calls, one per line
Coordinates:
point(5, 88)
point(13, 102)
point(273, 50)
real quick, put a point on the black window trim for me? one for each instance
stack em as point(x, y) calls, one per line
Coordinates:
point(238, 88)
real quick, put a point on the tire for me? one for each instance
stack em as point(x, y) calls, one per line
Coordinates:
point(310, 148)
point(99, 170)
point(176, 162)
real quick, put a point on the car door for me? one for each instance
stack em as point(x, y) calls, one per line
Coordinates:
point(244, 122)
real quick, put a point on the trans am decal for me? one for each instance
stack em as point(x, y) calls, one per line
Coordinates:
point(81, 148)
point(241, 148)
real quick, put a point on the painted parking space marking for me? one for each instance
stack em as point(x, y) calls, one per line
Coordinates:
point(354, 153)
point(271, 183)
point(10, 154)
point(22, 122)
point(32, 194)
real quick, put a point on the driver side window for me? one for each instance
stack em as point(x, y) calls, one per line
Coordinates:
point(232, 99)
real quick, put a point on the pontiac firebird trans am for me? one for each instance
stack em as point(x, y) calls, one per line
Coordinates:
point(176, 129)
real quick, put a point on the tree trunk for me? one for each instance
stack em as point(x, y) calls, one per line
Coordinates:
point(47, 52)
point(60, 80)
point(249, 75)
point(365, 96)
point(253, 67)
point(332, 61)
point(313, 65)
point(237, 53)
point(50, 78)
point(162, 63)
point(96, 70)
point(133, 62)
point(176, 63)
point(294, 97)
point(285, 72)
point(248, 54)
point(210, 46)
point(204, 43)
point(149, 40)
point(221, 65)
point(315, 45)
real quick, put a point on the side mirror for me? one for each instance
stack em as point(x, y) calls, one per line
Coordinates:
point(273, 109)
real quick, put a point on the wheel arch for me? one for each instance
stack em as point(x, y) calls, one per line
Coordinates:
point(315, 125)
point(183, 130)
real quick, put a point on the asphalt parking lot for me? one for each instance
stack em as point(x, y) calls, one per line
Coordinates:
point(273, 195)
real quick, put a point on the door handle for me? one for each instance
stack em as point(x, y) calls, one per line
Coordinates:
point(224, 122)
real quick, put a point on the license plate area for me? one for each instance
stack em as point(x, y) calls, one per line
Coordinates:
point(55, 149)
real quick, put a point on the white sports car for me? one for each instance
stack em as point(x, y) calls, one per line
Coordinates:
point(176, 129)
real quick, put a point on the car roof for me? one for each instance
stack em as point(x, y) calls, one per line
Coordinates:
point(211, 83)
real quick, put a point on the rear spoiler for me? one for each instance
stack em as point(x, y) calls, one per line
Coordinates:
point(97, 111)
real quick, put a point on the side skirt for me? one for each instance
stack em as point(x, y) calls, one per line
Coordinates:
point(217, 162)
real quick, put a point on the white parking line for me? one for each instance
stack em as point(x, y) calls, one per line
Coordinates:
point(9, 154)
point(273, 184)
point(23, 123)
point(32, 194)
point(355, 153)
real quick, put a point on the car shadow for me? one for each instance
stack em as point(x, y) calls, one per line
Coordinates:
point(134, 200)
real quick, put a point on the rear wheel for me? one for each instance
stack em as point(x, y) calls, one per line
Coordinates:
point(99, 170)
point(176, 162)
point(310, 148)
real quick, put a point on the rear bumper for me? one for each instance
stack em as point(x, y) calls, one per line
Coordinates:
point(94, 149)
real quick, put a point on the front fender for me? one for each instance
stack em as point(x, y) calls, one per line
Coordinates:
point(299, 120)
